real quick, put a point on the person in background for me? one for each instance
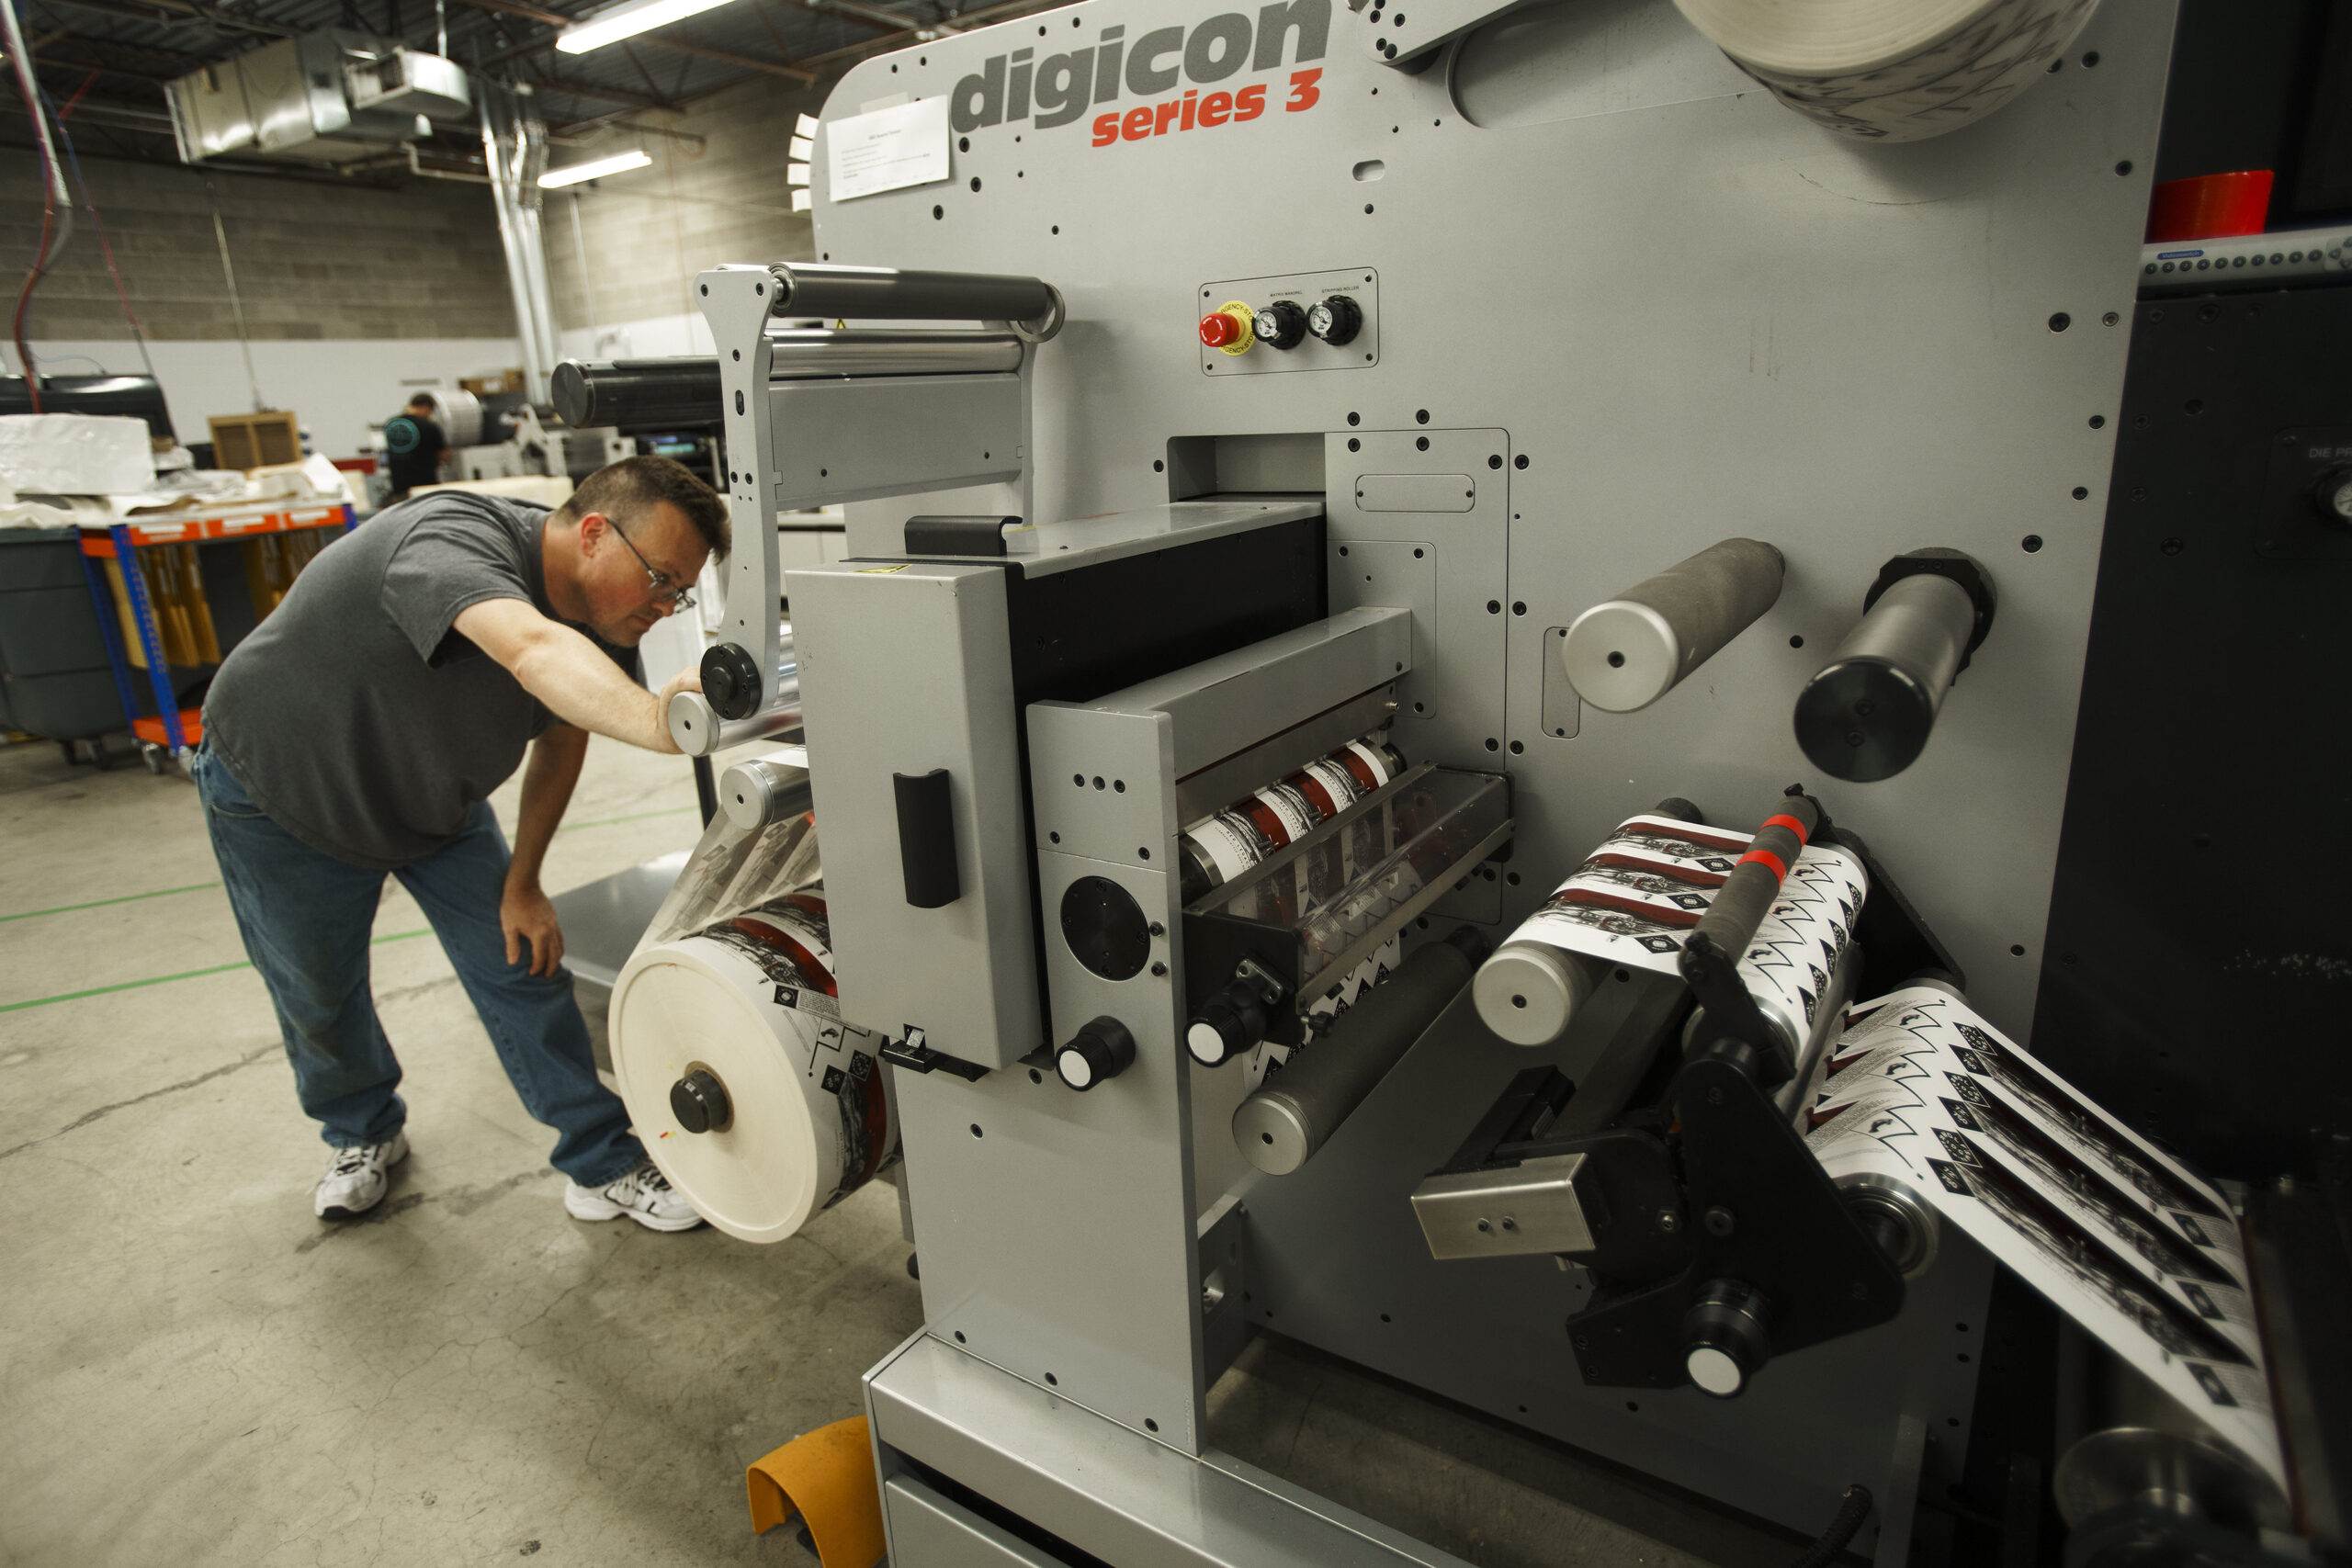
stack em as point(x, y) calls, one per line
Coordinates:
point(414, 443)
point(356, 733)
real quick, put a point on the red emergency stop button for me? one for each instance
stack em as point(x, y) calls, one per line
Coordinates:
point(1222, 329)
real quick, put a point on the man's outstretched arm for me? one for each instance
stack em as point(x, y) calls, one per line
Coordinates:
point(572, 675)
point(525, 913)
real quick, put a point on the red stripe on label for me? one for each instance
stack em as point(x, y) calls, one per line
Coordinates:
point(1791, 823)
point(1766, 857)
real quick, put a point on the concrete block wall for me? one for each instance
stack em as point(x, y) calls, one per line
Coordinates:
point(644, 234)
point(314, 261)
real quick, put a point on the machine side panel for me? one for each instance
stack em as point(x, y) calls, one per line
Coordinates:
point(849, 438)
point(903, 670)
point(926, 1527)
point(1107, 1491)
point(1696, 313)
point(1054, 1226)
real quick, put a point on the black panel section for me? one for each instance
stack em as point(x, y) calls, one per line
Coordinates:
point(2323, 173)
point(2198, 968)
point(1080, 634)
point(1105, 928)
point(2245, 79)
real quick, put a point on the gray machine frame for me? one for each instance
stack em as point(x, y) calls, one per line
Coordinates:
point(1746, 327)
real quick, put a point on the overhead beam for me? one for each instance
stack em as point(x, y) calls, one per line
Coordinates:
point(772, 68)
point(877, 15)
point(67, 62)
point(173, 12)
point(915, 34)
point(550, 82)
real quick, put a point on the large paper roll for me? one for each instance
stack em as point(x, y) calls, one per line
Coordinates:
point(1891, 70)
point(758, 1104)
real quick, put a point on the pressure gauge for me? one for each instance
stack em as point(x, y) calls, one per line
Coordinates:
point(1335, 320)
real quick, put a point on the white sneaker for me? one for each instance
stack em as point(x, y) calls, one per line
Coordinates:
point(645, 1195)
point(355, 1183)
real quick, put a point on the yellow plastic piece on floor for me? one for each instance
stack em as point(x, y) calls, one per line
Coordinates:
point(826, 1477)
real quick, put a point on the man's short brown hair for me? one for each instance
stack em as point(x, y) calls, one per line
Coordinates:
point(423, 400)
point(628, 489)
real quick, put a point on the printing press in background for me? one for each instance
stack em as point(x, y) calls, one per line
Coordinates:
point(1460, 755)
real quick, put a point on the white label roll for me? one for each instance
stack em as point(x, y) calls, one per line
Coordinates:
point(799, 1120)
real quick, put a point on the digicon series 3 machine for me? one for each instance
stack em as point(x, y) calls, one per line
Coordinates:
point(1249, 423)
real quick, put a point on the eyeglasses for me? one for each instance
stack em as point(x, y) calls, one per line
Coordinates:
point(680, 598)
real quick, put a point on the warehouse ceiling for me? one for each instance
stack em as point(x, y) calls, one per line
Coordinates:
point(103, 64)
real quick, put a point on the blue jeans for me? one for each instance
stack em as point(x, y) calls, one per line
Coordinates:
point(306, 920)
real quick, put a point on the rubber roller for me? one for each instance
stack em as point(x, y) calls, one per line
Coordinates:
point(1868, 714)
point(1529, 991)
point(1279, 1128)
point(1631, 650)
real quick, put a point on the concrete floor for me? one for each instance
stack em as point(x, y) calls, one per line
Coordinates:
point(193, 1369)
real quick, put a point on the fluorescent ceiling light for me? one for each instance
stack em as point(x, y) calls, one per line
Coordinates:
point(596, 169)
point(628, 20)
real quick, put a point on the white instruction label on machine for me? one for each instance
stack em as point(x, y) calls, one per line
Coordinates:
point(888, 149)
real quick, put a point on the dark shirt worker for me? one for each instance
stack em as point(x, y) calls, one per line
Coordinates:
point(414, 446)
point(356, 733)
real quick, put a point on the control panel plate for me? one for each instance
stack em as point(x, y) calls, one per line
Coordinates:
point(1306, 290)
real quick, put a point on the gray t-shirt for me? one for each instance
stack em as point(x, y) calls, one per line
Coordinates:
point(355, 716)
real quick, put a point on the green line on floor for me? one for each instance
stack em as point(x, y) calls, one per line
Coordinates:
point(100, 903)
point(166, 979)
point(613, 821)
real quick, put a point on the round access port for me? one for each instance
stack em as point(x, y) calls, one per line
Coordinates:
point(1105, 928)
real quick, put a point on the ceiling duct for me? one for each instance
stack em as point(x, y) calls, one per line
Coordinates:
point(327, 97)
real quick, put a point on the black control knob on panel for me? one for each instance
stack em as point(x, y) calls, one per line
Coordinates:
point(1101, 1049)
point(2333, 495)
point(1336, 321)
point(1227, 1024)
point(1280, 324)
point(699, 1101)
point(731, 680)
point(1724, 1337)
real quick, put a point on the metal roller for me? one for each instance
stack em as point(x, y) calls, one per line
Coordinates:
point(1279, 1128)
point(642, 393)
point(699, 731)
point(814, 288)
point(801, 354)
point(764, 790)
point(1631, 650)
point(1867, 714)
point(1529, 990)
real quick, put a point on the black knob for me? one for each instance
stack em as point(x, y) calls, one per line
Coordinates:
point(1280, 325)
point(2333, 496)
point(1724, 1337)
point(731, 680)
point(699, 1101)
point(1227, 1024)
point(1336, 321)
point(1101, 1049)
